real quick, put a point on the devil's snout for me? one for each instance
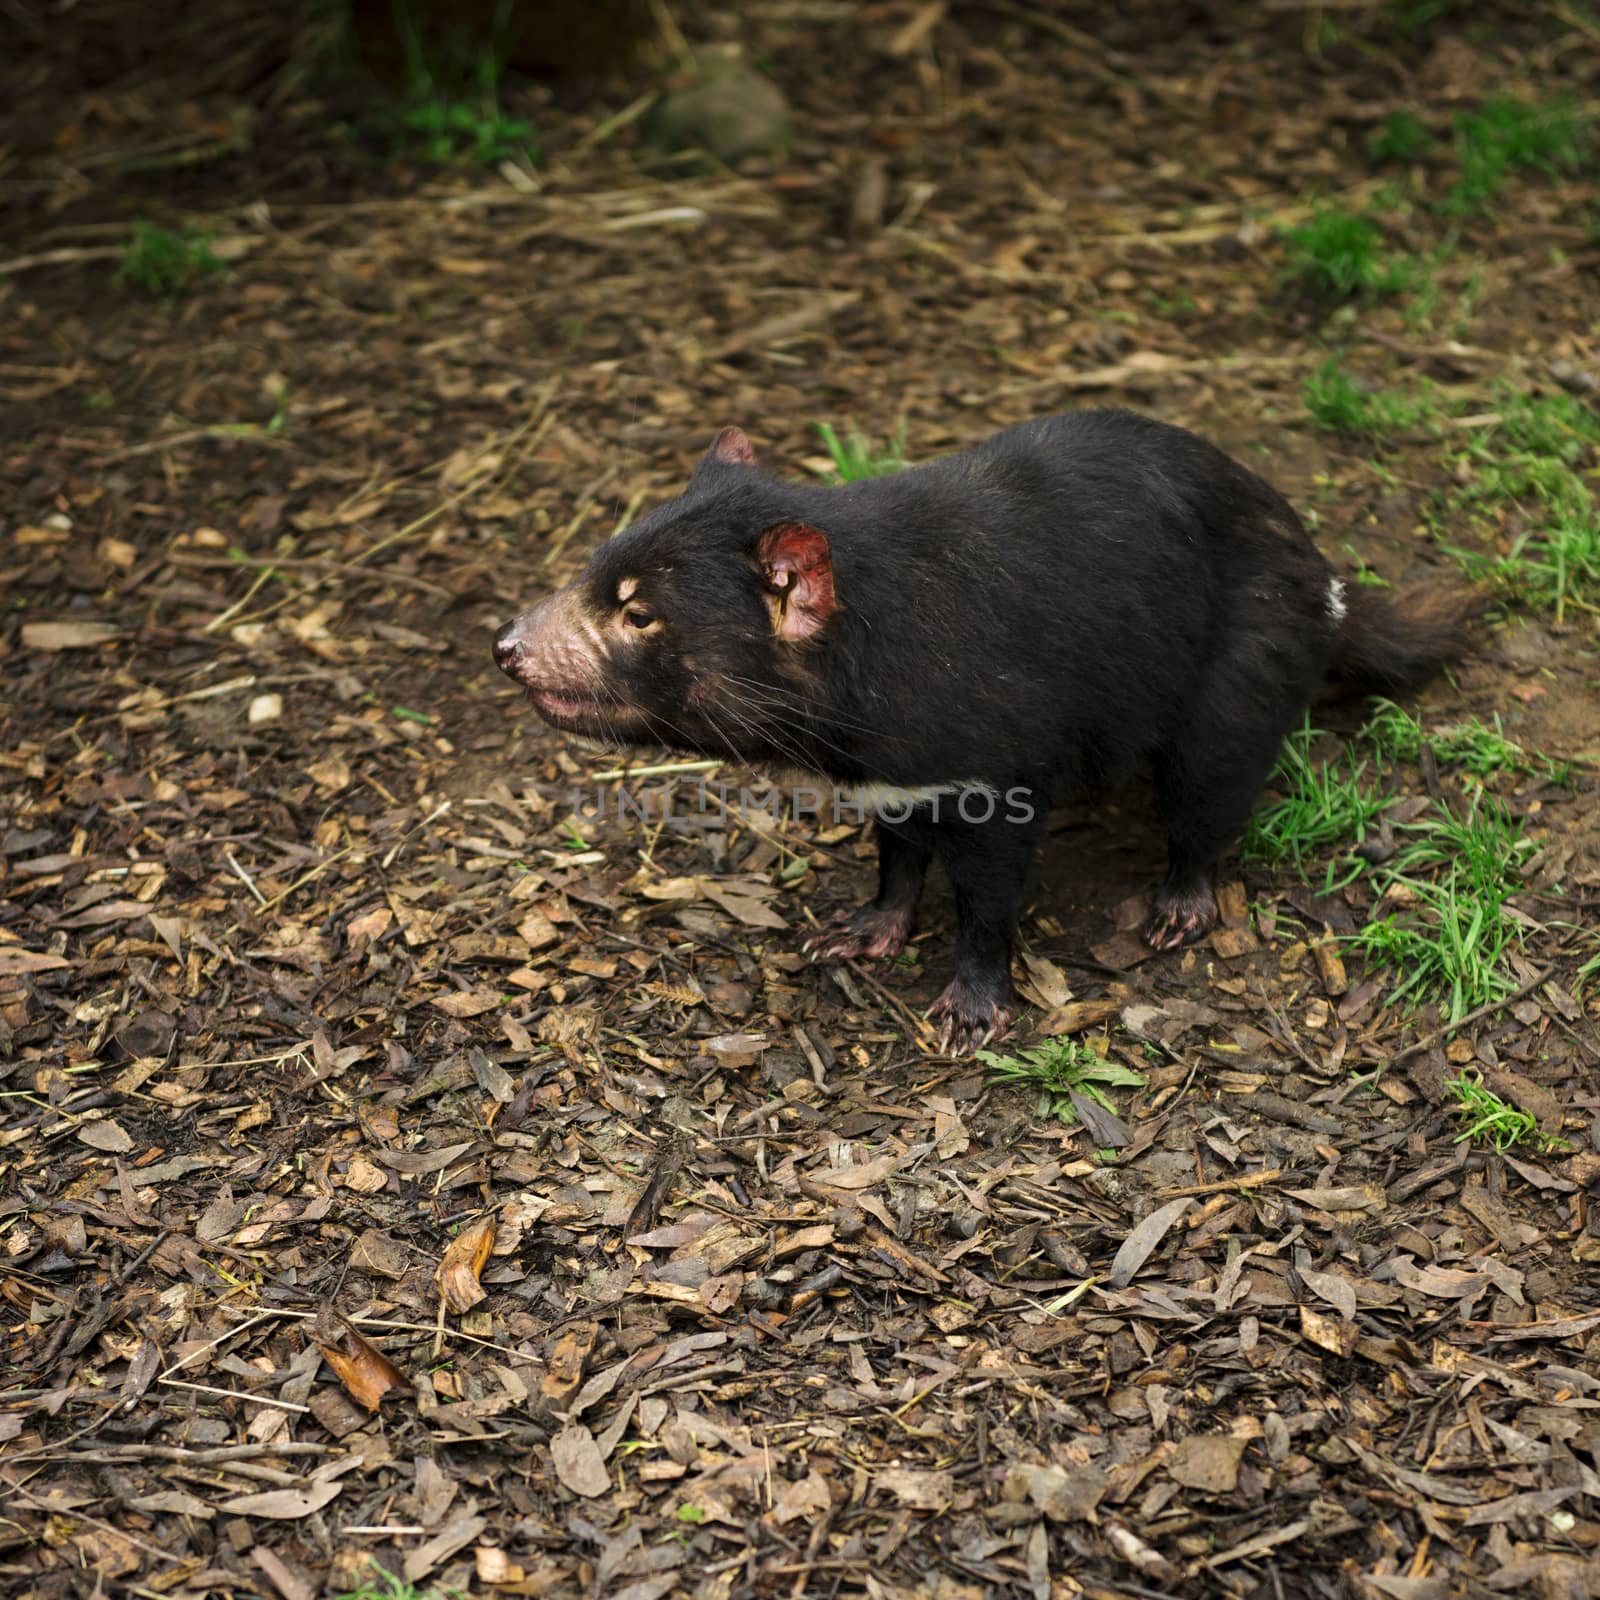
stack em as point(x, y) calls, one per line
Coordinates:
point(508, 646)
point(549, 646)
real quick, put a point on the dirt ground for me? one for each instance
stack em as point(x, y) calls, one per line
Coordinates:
point(398, 1169)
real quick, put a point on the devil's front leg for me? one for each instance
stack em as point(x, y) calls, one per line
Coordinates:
point(881, 928)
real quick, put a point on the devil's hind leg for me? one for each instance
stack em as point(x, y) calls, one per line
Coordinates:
point(1209, 776)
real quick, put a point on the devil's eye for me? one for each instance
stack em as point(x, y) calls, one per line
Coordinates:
point(637, 617)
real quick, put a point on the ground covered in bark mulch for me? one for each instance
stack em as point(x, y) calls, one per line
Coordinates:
point(409, 1158)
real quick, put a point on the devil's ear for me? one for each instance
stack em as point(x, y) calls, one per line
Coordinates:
point(730, 448)
point(797, 569)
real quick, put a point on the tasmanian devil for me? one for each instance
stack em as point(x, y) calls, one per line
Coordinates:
point(972, 641)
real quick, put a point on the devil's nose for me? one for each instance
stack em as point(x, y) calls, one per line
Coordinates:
point(507, 648)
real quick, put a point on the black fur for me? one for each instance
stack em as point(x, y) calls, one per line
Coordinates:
point(1052, 610)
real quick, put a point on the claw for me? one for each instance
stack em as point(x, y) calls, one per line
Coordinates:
point(969, 1020)
point(871, 931)
point(1179, 916)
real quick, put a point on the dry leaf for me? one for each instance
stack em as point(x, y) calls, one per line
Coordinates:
point(860, 1175)
point(1350, 1197)
point(738, 1049)
point(537, 930)
point(363, 1177)
point(566, 1365)
point(1333, 1287)
point(1327, 1332)
point(921, 1491)
point(468, 1002)
point(804, 1497)
point(66, 635)
point(330, 775)
point(1045, 983)
point(284, 1505)
point(18, 963)
point(1076, 1016)
point(1063, 1495)
point(1137, 1247)
point(578, 1461)
point(367, 1374)
point(1208, 1462)
point(104, 1134)
point(682, 890)
point(745, 908)
point(463, 1260)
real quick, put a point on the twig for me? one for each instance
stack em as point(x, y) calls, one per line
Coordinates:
point(1428, 1040)
point(245, 878)
point(219, 430)
point(310, 564)
point(536, 424)
point(262, 578)
point(235, 1394)
point(308, 876)
point(1251, 1180)
point(74, 1514)
point(1084, 43)
point(920, 1027)
point(586, 502)
point(539, 421)
point(670, 31)
point(784, 326)
point(659, 770)
point(221, 1455)
point(60, 258)
point(617, 121)
point(232, 686)
point(405, 838)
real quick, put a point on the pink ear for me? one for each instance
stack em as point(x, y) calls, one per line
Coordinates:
point(731, 446)
point(798, 567)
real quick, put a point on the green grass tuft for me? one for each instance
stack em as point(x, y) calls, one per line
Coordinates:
point(1559, 425)
point(446, 131)
point(1056, 1068)
point(1341, 404)
point(1448, 882)
point(1411, 16)
point(1491, 1120)
point(1341, 256)
point(384, 1585)
point(1454, 879)
point(1316, 804)
point(1559, 564)
point(857, 458)
point(1472, 745)
point(1589, 972)
point(452, 110)
point(1401, 138)
point(1506, 135)
point(160, 261)
point(1531, 469)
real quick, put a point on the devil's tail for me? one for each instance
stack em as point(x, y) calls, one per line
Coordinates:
point(1389, 641)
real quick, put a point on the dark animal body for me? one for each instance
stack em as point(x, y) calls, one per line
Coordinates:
point(1036, 617)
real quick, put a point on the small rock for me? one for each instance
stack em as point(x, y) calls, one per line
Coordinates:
point(265, 708)
point(725, 108)
point(1577, 379)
